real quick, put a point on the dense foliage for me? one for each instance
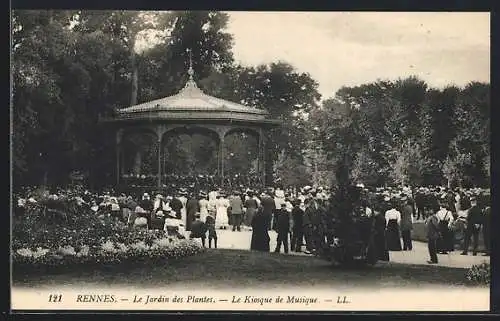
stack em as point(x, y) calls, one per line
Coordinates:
point(70, 67)
point(402, 132)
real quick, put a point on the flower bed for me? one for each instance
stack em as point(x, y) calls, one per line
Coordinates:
point(41, 244)
point(479, 274)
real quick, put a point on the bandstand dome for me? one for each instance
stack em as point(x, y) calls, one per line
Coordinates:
point(191, 103)
point(192, 109)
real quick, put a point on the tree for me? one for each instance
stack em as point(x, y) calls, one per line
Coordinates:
point(162, 70)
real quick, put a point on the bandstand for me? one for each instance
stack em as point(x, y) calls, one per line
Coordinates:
point(193, 111)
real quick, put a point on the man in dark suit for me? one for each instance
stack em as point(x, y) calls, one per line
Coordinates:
point(268, 208)
point(236, 205)
point(298, 226)
point(192, 207)
point(406, 223)
point(474, 219)
point(198, 229)
point(311, 222)
point(176, 206)
point(433, 234)
point(282, 228)
point(486, 228)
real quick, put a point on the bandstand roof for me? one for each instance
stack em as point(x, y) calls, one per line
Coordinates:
point(192, 104)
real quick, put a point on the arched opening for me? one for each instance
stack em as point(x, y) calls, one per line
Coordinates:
point(189, 151)
point(138, 159)
point(242, 157)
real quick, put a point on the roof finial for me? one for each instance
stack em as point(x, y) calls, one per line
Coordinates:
point(190, 70)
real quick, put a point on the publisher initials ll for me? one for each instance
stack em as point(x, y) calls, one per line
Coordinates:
point(342, 299)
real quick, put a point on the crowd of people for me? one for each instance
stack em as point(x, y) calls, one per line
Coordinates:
point(300, 216)
point(206, 182)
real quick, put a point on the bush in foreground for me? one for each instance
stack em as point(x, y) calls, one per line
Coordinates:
point(479, 274)
point(41, 241)
point(107, 253)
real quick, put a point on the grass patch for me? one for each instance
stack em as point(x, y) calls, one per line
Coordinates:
point(222, 269)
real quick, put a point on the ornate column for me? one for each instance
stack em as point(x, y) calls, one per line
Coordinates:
point(260, 158)
point(221, 132)
point(160, 130)
point(119, 135)
point(222, 158)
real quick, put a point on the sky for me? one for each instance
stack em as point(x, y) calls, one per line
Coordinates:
point(351, 48)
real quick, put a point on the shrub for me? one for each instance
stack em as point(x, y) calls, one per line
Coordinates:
point(42, 242)
point(479, 274)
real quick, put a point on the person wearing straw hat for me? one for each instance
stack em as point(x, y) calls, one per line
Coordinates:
point(115, 208)
point(250, 207)
point(139, 219)
point(183, 198)
point(172, 224)
point(221, 218)
point(203, 205)
point(198, 229)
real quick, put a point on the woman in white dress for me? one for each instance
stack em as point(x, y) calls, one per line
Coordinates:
point(183, 200)
point(212, 203)
point(203, 203)
point(221, 219)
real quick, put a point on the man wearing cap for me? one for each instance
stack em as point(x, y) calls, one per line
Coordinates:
point(433, 234)
point(282, 228)
point(474, 219)
point(406, 223)
point(236, 206)
point(297, 227)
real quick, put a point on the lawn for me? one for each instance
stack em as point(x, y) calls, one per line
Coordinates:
point(222, 269)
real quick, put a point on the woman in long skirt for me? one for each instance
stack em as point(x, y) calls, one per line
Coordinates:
point(250, 209)
point(393, 219)
point(222, 219)
point(379, 237)
point(260, 235)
